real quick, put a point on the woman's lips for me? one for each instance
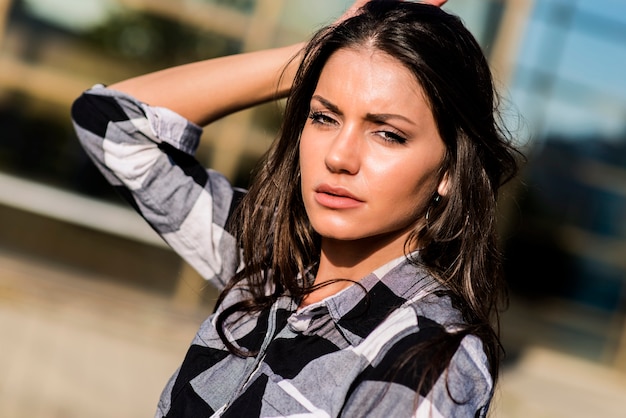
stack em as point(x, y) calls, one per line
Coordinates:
point(336, 198)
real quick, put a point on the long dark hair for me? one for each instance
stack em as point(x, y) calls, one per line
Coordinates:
point(458, 239)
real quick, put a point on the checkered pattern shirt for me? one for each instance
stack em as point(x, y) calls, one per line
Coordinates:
point(332, 358)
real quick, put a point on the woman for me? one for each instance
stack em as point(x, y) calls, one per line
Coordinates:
point(360, 272)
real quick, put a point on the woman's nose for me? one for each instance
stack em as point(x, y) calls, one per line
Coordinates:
point(343, 155)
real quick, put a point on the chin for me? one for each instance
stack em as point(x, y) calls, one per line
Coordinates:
point(338, 233)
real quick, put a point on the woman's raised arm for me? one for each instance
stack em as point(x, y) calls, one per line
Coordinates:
point(204, 91)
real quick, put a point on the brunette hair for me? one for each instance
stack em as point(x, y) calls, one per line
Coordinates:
point(458, 241)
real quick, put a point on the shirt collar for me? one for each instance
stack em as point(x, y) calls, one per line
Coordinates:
point(361, 307)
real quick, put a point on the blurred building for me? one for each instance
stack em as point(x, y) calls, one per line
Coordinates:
point(560, 65)
point(53, 50)
point(567, 248)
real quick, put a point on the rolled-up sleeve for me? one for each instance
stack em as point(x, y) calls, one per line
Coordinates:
point(146, 153)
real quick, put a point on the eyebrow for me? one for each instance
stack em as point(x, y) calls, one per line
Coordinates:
point(373, 117)
point(333, 108)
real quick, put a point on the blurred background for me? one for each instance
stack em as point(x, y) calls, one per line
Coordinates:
point(96, 313)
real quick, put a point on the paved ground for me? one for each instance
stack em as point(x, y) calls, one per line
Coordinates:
point(76, 345)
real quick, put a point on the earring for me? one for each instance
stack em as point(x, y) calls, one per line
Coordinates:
point(435, 202)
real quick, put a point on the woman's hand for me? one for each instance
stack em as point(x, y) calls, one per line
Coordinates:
point(354, 8)
point(437, 3)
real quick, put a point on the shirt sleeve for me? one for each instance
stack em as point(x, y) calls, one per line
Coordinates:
point(146, 153)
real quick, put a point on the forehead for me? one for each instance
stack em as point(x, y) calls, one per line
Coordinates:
point(367, 75)
point(366, 57)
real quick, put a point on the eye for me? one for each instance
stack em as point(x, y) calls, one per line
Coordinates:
point(392, 136)
point(321, 118)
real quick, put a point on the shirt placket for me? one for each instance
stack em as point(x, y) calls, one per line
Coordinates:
point(253, 368)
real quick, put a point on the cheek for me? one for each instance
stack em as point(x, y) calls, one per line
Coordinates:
point(406, 183)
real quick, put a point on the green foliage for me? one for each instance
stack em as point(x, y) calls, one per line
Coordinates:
point(158, 42)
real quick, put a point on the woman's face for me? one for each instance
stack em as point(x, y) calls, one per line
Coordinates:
point(370, 150)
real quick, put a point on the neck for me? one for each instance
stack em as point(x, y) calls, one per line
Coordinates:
point(355, 259)
point(350, 261)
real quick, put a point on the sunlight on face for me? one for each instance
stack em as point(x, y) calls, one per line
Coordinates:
point(370, 150)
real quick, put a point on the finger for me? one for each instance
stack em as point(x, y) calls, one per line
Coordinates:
point(437, 3)
point(352, 10)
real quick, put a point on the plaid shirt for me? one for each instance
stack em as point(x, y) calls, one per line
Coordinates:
point(332, 358)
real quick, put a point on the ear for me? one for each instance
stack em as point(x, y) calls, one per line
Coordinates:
point(442, 189)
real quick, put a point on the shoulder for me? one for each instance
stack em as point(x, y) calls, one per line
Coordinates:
point(466, 387)
point(451, 363)
point(425, 371)
point(434, 356)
